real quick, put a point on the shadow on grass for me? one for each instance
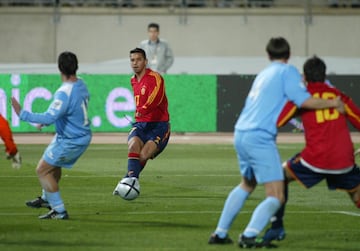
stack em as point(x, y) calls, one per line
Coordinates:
point(136, 224)
point(52, 243)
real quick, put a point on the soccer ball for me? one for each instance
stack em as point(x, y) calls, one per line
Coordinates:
point(128, 188)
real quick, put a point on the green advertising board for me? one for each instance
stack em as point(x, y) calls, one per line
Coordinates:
point(192, 100)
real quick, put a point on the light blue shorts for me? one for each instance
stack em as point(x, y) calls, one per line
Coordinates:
point(258, 156)
point(65, 152)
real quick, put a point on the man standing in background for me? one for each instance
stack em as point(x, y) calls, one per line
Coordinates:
point(159, 54)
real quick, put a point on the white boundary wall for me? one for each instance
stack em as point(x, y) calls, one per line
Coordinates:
point(217, 41)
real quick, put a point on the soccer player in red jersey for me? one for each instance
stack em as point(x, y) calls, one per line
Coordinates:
point(329, 151)
point(151, 131)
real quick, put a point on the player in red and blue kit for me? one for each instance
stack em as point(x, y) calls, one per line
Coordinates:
point(329, 151)
point(151, 131)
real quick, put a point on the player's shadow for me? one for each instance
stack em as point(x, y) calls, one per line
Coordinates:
point(136, 224)
point(52, 243)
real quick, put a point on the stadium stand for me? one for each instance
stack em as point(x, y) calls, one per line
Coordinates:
point(171, 3)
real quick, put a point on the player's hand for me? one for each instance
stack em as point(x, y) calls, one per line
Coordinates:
point(16, 105)
point(339, 105)
point(357, 152)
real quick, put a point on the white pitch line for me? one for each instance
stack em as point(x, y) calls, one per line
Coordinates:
point(346, 213)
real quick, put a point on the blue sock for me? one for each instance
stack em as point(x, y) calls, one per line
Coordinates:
point(261, 216)
point(55, 201)
point(232, 207)
point(134, 166)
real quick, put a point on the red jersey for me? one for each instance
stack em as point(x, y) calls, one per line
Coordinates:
point(328, 141)
point(150, 98)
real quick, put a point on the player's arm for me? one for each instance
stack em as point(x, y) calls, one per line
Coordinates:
point(155, 96)
point(56, 109)
point(297, 93)
point(169, 58)
point(319, 103)
point(352, 111)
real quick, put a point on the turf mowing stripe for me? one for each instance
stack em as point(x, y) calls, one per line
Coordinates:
point(186, 212)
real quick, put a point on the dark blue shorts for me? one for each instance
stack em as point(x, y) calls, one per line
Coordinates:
point(158, 132)
point(346, 181)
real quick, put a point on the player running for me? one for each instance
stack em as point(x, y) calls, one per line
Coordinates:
point(151, 131)
point(329, 151)
point(68, 111)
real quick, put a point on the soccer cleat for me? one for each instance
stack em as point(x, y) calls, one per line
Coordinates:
point(52, 214)
point(16, 160)
point(38, 203)
point(215, 239)
point(254, 242)
point(274, 234)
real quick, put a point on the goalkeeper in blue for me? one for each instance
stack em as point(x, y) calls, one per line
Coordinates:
point(68, 111)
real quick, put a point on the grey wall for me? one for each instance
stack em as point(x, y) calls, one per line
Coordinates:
point(31, 35)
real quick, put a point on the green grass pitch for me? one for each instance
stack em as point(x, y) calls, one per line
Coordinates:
point(182, 194)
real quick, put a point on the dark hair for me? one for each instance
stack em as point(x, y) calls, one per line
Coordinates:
point(138, 50)
point(154, 25)
point(314, 69)
point(67, 63)
point(278, 48)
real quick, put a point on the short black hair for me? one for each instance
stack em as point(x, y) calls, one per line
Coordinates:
point(278, 48)
point(67, 63)
point(314, 69)
point(138, 50)
point(154, 25)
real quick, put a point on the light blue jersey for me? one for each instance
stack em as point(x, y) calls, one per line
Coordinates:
point(272, 88)
point(68, 111)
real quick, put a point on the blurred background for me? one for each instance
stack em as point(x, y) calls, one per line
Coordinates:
point(218, 45)
point(215, 36)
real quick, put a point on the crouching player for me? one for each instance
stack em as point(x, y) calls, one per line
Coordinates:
point(329, 151)
point(151, 131)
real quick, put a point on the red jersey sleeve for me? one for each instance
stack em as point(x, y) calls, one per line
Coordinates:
point(352, 111)
point(288, 111)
